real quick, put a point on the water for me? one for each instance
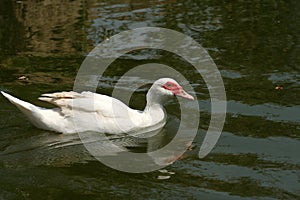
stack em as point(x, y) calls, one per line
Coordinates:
point(256, 48)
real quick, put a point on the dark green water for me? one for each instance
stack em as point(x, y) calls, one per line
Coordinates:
point(255, 45)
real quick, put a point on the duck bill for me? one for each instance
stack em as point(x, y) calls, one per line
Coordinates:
point(184, 94)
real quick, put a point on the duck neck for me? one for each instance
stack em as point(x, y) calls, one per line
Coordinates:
point(154, 102)
point(154, 112)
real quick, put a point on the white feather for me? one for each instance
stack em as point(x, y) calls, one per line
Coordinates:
point(87, 111)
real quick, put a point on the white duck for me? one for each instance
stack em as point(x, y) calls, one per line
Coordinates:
point(87, 111)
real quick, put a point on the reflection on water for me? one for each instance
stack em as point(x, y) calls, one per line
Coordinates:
point(51, 26)
point(256, 47)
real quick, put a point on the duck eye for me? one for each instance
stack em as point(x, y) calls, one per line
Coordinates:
point(168, 86)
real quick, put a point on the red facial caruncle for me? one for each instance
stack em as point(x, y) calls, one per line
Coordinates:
point(177, 90)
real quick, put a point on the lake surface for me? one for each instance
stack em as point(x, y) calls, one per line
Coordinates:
point(255, 45)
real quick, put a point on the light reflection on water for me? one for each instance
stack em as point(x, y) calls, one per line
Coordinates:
point(255, 46)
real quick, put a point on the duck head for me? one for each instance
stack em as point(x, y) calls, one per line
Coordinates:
point(164, 88)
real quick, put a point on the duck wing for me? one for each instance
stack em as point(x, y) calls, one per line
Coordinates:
point(88, 102)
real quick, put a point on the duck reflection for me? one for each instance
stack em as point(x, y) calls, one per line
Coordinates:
point(51, 149)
